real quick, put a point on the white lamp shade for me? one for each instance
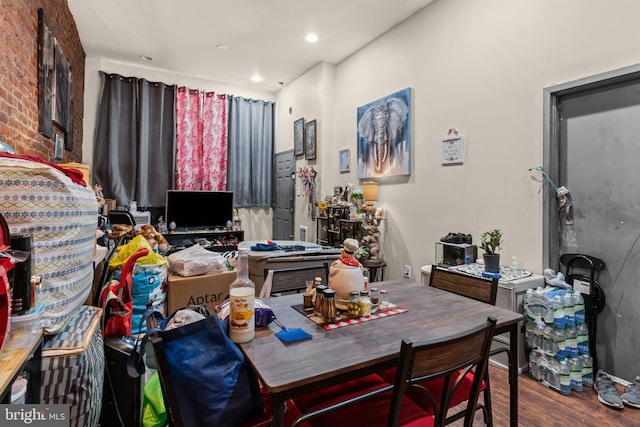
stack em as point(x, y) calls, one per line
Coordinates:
point(370, 191)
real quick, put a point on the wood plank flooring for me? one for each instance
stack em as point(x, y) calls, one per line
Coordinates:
point(541, 406)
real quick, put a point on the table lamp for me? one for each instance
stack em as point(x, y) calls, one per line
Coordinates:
point(369, 196)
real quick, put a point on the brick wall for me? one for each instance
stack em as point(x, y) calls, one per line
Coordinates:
point(19, 75)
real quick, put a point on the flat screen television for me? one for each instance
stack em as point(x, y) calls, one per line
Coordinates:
point(198, 210)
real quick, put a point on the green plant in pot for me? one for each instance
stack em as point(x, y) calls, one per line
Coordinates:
point(356, 197)
point(491, 243)
point(362, 252)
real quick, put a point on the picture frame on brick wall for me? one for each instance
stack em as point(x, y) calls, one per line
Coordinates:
point(54, 85)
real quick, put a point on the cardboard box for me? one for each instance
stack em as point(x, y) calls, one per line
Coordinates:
point(208, 290)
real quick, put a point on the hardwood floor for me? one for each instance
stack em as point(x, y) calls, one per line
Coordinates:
point(541, 406)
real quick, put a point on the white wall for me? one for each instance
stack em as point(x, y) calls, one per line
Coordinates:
point(311, 97)
point(255, 222)
point(479, 67)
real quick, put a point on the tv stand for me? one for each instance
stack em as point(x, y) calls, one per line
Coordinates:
point(221, 240)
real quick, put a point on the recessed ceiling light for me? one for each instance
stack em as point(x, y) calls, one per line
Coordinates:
point(146, 58)
point(222, 47)
point(311, 38)
point(256, 78)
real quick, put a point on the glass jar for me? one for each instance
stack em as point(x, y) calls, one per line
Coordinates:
point(374, 295)
point(365, 303)
point(353, 305)
point(384, 300)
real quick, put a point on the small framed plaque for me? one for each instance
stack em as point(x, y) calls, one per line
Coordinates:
point(452, 150)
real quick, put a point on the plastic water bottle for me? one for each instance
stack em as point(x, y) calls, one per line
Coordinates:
point(534, 364)
point(575, 366)
point(242, 293)
point(558, 312)
point(565, 378)
point(569, 309)
point(538, 334)
point(560, 336)
point(526, 300)
point(578, 307)
point(529, 334)
point(587, 370)
point(582, 332)
point(549, 345)
point(572, 341)
point(553, 373)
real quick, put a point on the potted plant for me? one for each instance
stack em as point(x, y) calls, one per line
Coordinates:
point(491, 243)
point(356, 197)
point(362, 252)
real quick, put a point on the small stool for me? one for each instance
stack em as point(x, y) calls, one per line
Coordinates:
point(376, 269)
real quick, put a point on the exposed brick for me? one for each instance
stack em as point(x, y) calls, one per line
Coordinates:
point(19, 75)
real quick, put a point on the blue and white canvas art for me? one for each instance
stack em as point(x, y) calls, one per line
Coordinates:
point(384, 136)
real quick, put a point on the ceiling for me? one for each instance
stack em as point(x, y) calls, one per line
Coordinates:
point(263, 37)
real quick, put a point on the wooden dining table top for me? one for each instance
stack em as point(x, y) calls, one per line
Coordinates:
point(337, 355)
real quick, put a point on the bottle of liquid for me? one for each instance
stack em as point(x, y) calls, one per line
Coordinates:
point(549, 345)
point(529, 334)
point(365, 303)
point(552, 373)
point(538, 335)
point(565, 378)
point(527, 299)
point(569, 309)
point(587, 370)
point(575, 366)
point(534, 364)
point(560, 338)
point(572, 341)
point(558, 312)
point(578, 308)
point(583, 338)
point(242, 292)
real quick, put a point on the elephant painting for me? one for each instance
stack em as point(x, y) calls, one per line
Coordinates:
point(383, 135)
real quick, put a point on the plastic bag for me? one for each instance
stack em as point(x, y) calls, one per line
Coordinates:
point(196, 261)
point(154, 413)
point(125, 251)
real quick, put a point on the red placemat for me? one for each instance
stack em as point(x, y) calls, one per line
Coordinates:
point(344, 319)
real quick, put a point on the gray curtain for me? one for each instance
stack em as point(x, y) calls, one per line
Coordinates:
point(251, 157)
point(133, 157)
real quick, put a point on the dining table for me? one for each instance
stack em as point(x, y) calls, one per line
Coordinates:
point(335, 355)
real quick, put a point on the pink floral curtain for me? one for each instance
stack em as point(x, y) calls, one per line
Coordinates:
point(201, 140)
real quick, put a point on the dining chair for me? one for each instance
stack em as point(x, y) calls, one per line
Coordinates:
point(293, 279)
point(483, 289)
point(450, 359)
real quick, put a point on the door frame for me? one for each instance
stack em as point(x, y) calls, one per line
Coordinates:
point(551, 147)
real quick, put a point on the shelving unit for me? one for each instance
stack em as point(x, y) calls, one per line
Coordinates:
point(329, 230)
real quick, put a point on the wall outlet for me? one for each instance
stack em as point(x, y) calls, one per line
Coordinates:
point(407, 272)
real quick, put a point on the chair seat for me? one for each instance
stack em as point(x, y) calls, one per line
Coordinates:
point(372, 412)
point(435, 386)
point(340, 392)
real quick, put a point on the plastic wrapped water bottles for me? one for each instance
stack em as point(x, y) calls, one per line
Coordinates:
point(565, 378)
point(549, 344)
point(558, 312)
point(587, 370)
point(572, 341)
point(575, 367)
point(582, 332)
point(569, 309)
point(534, 364)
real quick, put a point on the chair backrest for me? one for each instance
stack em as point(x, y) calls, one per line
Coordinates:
point(482, 289)
point(293, 279)
point(450, 358)
point(121, 217)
